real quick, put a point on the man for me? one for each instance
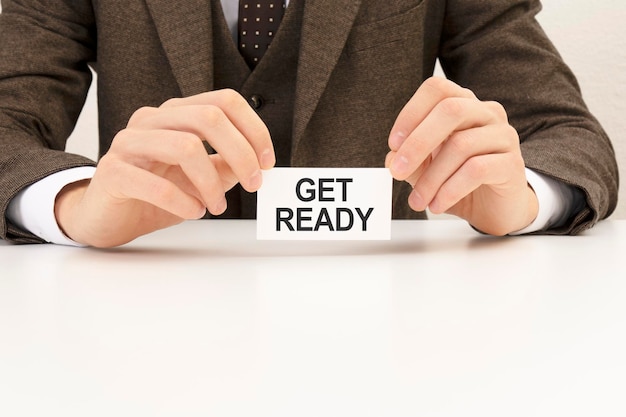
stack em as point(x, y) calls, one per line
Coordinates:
point(506, 144)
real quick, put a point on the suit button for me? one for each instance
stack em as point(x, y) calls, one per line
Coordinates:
point(256, 101)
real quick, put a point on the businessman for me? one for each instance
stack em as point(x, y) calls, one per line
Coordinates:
point(188, 119)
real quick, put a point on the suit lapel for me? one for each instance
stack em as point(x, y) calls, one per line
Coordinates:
point(325, 28)
point(185, 31)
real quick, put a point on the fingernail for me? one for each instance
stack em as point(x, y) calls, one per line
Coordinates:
point(399, 165)
point(267, 159)
point(220, 207)
point(416, 201)
point(389, 158)
point(201, 212)
point(255, 180)
point(396, 140)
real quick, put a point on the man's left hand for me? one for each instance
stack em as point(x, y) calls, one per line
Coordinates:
point(462, 157)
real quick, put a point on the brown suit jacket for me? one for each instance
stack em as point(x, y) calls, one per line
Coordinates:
point(359, 63)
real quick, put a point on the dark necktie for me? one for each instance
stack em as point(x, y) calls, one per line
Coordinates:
point(258, 23)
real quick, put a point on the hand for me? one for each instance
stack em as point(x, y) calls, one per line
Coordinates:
point(157, 172)
point(461, 157)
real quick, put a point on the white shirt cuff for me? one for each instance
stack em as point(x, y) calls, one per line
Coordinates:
point(32, 209)
point(557, 202)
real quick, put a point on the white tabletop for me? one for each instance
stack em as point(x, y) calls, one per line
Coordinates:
point(204, 320)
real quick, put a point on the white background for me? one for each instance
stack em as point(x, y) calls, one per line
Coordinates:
point(589, 35)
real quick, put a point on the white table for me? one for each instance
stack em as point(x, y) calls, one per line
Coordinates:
point(204, 320)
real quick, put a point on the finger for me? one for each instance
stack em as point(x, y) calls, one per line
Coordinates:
point(427, 96)
point(488, 170)
point(147, 187)
point(229, 179)
point(449, 116)
point(412, 179)
point(241, 115)
point(175, 148)
point(460, 147)
point(210, 123)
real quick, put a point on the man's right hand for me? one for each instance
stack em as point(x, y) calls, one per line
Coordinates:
point(157, 172)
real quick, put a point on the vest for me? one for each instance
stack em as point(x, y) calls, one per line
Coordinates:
point(269, 88)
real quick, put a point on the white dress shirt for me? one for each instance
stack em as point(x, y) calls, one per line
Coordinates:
point(32, 209)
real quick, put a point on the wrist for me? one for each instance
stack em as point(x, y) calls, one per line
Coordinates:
point(65, 204)
point(533, 207)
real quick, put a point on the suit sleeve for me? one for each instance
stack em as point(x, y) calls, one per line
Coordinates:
point(497, 49)
point(45, 50)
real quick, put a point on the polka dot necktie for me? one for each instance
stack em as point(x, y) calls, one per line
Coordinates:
point(258, 23)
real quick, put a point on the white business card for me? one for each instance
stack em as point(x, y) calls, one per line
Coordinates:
point(325, 204)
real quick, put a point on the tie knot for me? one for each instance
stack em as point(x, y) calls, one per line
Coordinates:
point(258, 24)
